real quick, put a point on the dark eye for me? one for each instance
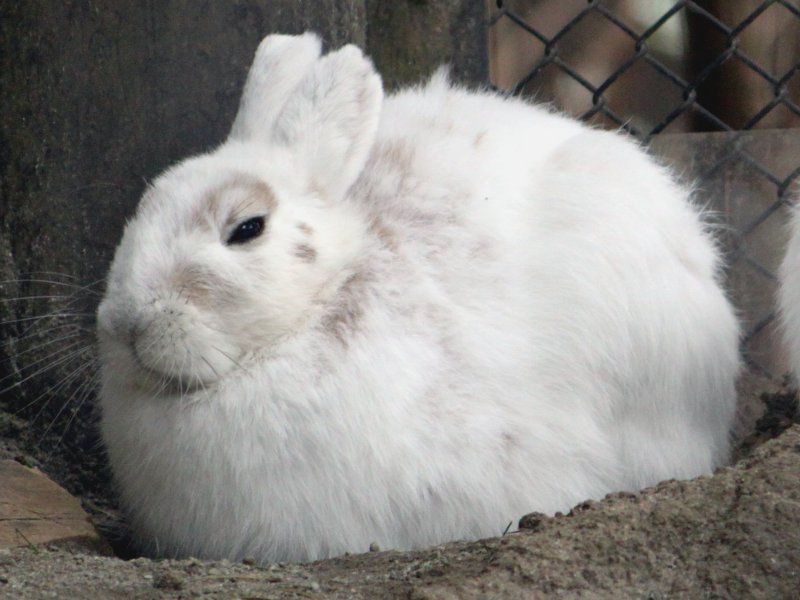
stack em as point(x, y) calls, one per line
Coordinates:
point(247, 230)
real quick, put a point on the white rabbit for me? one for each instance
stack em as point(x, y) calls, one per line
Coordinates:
point(789, 294)
point(403, 320)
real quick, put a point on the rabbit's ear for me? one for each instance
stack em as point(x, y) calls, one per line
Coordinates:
point(330, 121)
point(280, 64)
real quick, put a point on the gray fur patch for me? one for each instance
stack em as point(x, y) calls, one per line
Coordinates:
point(305, 253)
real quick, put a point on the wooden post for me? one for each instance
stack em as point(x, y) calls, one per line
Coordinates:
point(409, 39)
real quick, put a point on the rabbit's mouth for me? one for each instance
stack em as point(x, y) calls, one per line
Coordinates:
point(166, 367)
point(161, 383)
point(179, 351)
point(161, 367)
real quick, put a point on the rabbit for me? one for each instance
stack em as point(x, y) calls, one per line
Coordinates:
point(403, 320)
point(789, 296)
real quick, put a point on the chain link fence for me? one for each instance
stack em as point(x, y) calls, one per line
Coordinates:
point(676, 67)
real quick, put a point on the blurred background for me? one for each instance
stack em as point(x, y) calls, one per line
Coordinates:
point(737, 58)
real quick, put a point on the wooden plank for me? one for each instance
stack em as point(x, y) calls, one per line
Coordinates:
point(35, 511)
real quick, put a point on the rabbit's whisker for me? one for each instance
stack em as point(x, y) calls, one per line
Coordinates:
point(40, 346)
point(83, 390)
point(63, 382)
point(56, 273)
point(42, 332)
point(39, 361)
point(91, 386)
point(78, 288)
point(55, 315)
point(228, 356)
point(210, 366)
point(40, 297)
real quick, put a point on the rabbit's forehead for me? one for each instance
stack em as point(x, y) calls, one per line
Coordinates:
point(229, 201)
point(191, 203)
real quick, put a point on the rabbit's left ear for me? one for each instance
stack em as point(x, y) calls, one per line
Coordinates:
point(279, 66)
point(330, 120)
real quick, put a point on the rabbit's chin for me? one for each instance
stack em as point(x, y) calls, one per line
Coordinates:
point(169, 377)
point(185, 366)
point(160, 381)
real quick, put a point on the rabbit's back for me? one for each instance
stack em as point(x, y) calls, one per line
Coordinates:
point(572, 275)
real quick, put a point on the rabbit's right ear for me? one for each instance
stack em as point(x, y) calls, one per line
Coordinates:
point(330, 121)
point(280, 64)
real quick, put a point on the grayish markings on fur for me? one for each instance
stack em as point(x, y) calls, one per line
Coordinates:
point(305, 253)
point(255, 194)
point(343, 320)
point(385, 234)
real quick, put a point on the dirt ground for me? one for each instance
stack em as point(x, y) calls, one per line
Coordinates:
point(736, 534)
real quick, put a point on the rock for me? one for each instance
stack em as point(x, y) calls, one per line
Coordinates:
point(532, 521)
point(36, 512)
point(750, 406)
point(778, 411)
point(169, 580)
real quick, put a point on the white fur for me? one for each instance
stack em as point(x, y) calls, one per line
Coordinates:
point(507, 312)
point(789, 294)
point(280, 65)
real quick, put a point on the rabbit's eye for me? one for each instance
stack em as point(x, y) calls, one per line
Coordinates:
point(247, 230)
